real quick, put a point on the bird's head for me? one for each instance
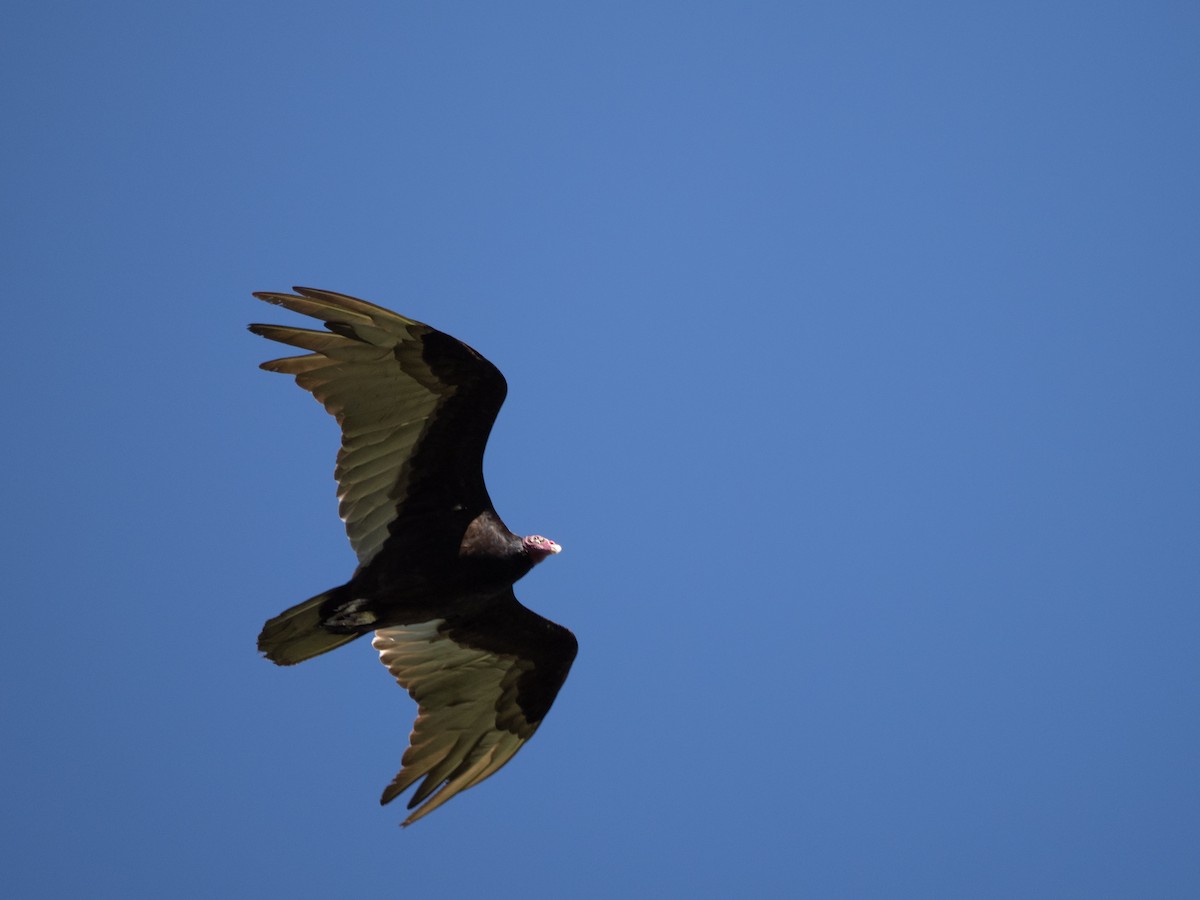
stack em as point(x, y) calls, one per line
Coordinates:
point(539, 547)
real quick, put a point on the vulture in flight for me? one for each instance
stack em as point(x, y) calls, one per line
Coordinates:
point(436, 565)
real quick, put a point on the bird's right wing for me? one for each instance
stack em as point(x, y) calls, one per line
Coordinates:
point(483, 684)
point(415, 407)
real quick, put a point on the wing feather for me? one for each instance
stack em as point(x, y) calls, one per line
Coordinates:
point(333, 346)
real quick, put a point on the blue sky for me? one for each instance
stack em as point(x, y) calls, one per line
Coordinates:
point(853, 358)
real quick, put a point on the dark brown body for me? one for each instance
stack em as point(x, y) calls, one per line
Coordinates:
point(399, 591)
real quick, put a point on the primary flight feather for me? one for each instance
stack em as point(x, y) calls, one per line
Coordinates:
point(436, 564)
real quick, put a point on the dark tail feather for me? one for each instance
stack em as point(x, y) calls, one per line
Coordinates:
point(296, 634)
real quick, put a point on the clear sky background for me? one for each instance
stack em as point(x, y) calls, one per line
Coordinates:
point(854, 358)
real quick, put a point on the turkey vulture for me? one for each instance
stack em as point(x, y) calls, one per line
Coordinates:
point(436, 565)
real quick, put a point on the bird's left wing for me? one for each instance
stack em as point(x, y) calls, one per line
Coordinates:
point(483, 683)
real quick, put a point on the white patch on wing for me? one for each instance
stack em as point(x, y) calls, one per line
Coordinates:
point(463, 694)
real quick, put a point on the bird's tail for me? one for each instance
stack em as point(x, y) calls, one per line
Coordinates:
point(298, 634)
